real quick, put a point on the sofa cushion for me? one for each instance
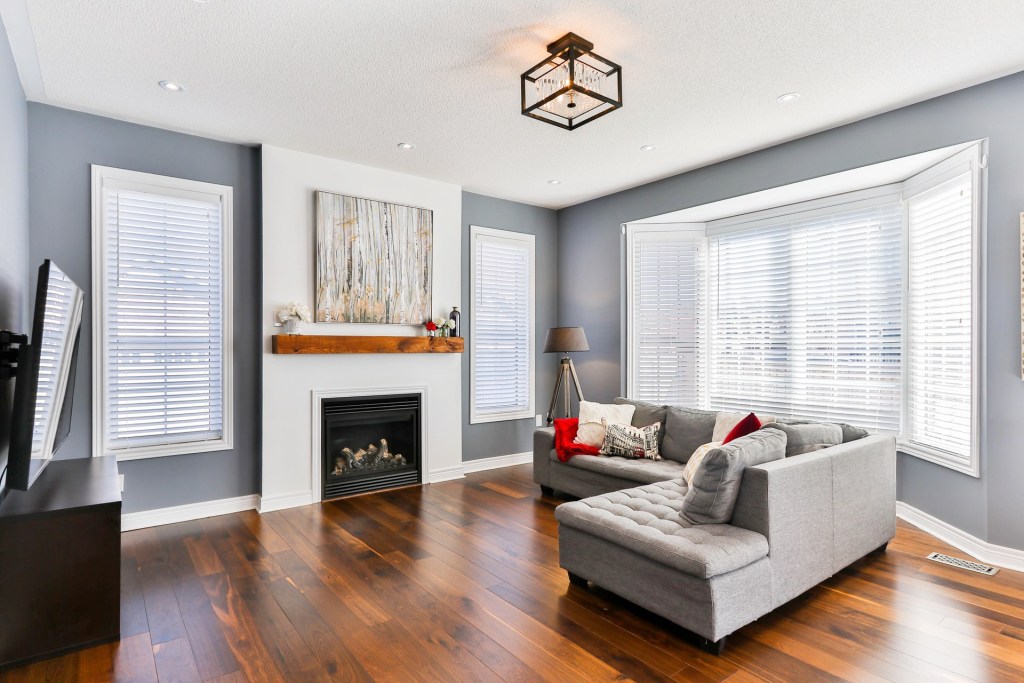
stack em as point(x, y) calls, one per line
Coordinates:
point(809, 437)
point(711, 496)
point(850, 433)
point(647, 521)
point(642, 471)
point(645, 413)
point(593, 415)
point(685, 430)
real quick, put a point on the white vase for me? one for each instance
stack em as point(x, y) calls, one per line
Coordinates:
point(293, 326)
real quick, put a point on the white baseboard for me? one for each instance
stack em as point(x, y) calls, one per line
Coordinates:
point(185, 513)
point(445, 474)
point(497, 461)
point(285, 501)
point(989, 553)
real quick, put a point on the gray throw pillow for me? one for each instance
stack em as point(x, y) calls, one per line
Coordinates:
point(711, 497)
point(685, 430)
point(808, 437)
point(850, 433)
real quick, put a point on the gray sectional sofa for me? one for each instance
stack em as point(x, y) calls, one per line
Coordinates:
point(796, 521)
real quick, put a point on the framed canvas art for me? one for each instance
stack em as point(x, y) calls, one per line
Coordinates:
point(373, 261)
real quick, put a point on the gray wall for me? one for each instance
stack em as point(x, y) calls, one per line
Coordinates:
point(590, 254)
point(62, 145)
point(14, 276)
point(512, 436)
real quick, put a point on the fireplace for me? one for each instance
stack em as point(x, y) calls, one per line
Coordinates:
point(370, 443)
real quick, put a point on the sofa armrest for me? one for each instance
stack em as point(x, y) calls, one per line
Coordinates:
point(820, 511)
point(543, 444)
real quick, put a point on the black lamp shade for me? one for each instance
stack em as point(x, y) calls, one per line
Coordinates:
point(566, 339)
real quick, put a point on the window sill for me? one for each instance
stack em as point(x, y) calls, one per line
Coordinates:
point(503, 417)
point(188, 448)
point(939, 457)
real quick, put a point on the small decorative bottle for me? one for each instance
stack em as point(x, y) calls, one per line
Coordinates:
point(454, 315)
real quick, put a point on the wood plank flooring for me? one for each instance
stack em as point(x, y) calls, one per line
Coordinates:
point(460, 582)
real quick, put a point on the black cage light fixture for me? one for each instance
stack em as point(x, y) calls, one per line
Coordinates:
point(573, 86)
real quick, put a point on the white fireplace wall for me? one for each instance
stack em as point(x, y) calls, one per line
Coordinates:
point(289, 181)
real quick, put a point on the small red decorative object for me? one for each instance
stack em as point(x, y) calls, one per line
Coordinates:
point(430, 326)
point(747, 425)
point(565, 435)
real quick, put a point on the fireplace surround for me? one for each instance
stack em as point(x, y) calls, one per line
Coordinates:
point(368, 443)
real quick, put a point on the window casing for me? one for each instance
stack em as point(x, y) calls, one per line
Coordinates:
point(162, 329)
point(860, 308)
point(502, 325)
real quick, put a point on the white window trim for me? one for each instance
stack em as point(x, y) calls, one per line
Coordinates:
point(631, 231)
point(102, 177)
point(975, 159)
point(530, 240)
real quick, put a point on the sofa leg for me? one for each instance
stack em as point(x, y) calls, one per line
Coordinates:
point(714, 647)
point(577, 580)
point(881, 548)
point(547, 491)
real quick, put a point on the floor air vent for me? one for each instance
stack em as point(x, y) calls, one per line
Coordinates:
point(963, 564)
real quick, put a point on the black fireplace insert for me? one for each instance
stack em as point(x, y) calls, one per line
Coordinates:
point(370, 443)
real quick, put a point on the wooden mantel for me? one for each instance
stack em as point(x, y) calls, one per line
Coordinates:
point(315, 343)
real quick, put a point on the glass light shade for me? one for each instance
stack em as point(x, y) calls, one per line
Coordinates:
point(572, 87)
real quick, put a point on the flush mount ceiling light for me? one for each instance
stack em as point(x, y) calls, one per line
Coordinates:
point(554, 182)
point(171, 85)
point(573, 86)
point(648, 148)
point(406, 145)
point(788, 97)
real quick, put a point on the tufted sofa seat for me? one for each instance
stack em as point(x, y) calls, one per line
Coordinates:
point(648, 519)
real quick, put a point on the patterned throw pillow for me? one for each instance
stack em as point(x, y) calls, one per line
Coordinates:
point(631, 442)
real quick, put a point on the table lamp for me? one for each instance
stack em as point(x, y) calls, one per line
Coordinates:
point(565, 340)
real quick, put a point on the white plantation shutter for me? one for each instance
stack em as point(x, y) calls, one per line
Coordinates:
point(939, 321)
point(502, 325)
point(163, 319)
point(664, 288)
point(805, 317)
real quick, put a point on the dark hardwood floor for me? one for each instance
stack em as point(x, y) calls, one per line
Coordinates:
point(460, 582)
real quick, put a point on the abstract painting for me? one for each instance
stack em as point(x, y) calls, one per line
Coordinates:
point(373, 261)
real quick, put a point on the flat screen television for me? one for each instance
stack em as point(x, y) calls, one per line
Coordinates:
point(45, 384)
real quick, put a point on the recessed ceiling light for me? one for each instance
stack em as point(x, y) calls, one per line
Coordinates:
point(648, 148)
point(406, 145)
point(554, 182)
point(788, 97)
point(172, 86)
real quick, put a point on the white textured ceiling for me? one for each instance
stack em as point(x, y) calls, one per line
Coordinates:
point(351, 78)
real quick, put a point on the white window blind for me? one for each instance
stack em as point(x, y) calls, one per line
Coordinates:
point(805, 317)
point(664, 291)
point(163, 319)
point(502, 325)
point(939, 321)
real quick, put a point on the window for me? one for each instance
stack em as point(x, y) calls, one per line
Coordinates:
point(502, 328)
point(807, 314)
point(161, 303)
point(664, 264)
point(858, 308)
point(940, 413)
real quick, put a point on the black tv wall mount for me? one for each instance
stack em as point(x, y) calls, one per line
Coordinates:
point(10, 347)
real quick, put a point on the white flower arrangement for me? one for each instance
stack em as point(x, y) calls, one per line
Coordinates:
point(292, 310)
point(451, 324)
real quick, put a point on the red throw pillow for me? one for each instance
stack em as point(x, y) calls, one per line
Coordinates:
point(565, 435)
point(747, 425)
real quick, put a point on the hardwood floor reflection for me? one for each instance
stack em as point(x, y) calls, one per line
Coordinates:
point(459, 581)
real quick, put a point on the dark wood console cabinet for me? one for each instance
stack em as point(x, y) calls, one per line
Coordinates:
point(60, 561)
